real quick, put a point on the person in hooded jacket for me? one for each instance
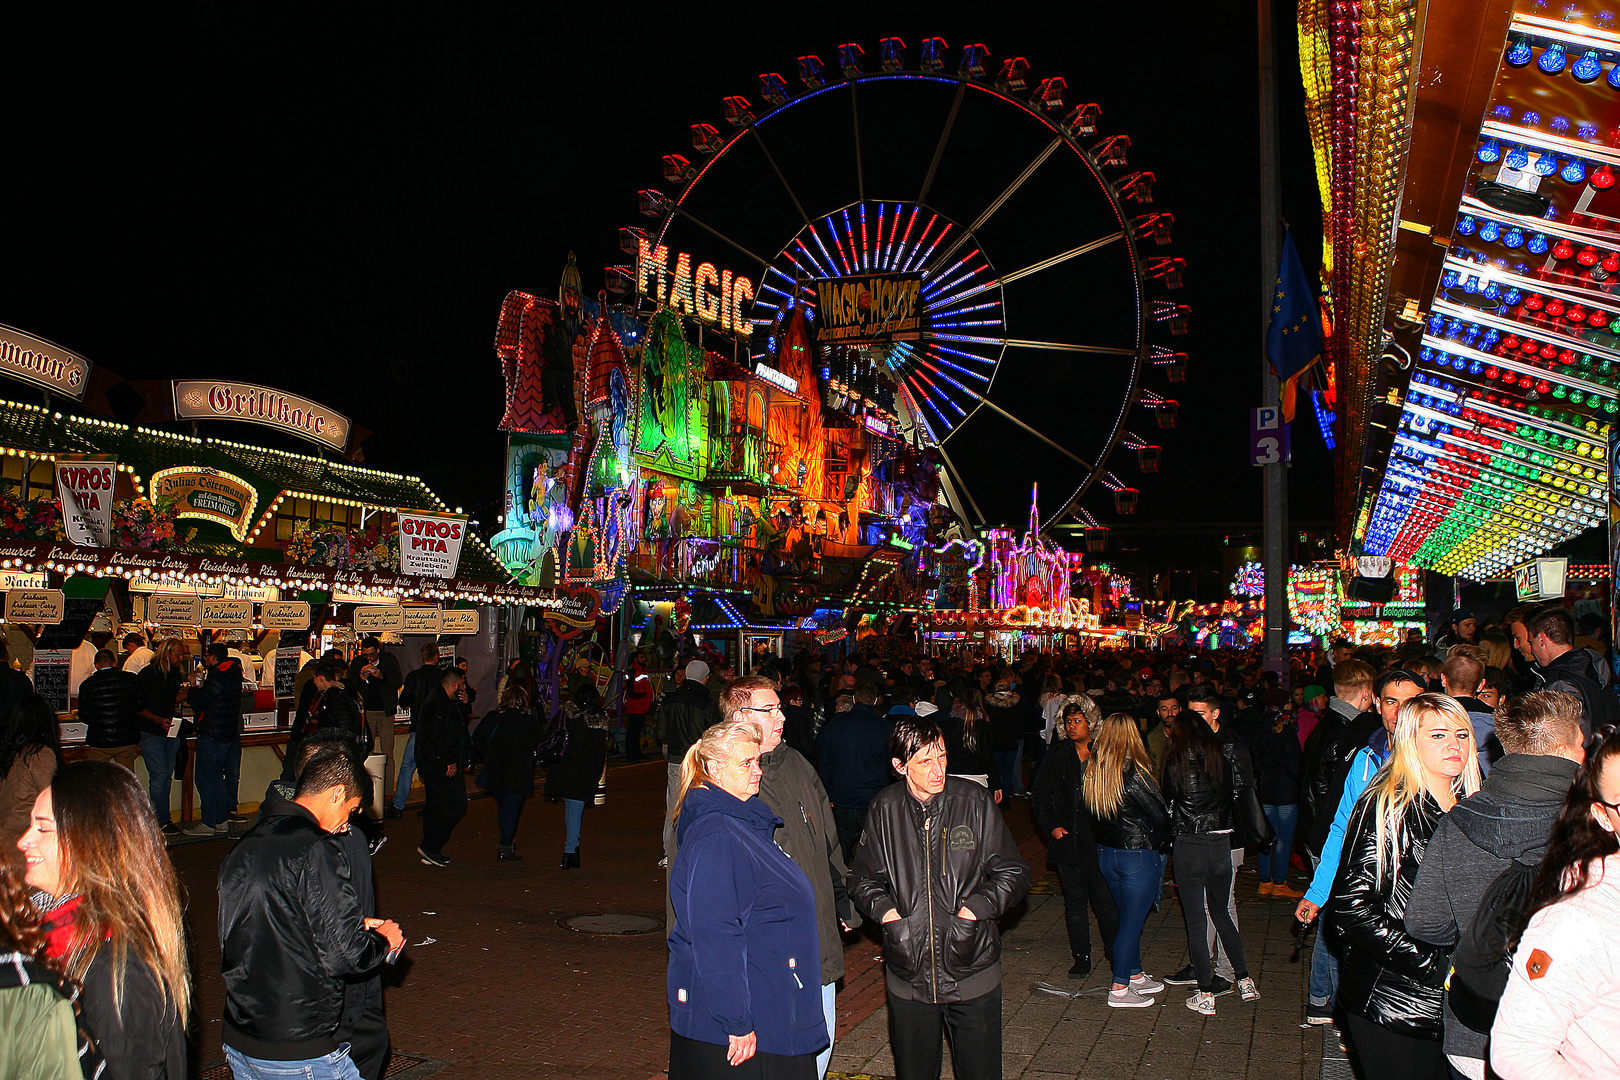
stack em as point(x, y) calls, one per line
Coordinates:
point(1007, 730)
point(1561, 666)
point(744, 977)
point(575, 777)
point(507, 738)
point(218, 705)
point(1510, 818)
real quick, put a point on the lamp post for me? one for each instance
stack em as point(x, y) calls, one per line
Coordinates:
point(1273, 479)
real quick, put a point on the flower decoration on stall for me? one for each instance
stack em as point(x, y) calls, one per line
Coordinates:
point(375, 549)
point(29, 519)
point(145, 525)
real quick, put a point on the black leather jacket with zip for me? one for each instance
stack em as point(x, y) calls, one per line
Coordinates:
point(928, 861)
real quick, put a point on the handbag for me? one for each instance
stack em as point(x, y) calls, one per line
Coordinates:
point(1249, 822)
point(555, 746)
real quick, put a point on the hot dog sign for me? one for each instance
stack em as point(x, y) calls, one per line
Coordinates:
point(430, 544)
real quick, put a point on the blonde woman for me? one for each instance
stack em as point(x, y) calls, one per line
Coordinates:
point(1132, 826)
point(112, 916)
point(744, 977)
point(1391, 985)
point(162, 682)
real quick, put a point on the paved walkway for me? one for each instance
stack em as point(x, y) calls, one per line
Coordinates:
point(493, 986)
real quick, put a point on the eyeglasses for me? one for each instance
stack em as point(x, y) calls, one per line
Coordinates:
point(768, 710)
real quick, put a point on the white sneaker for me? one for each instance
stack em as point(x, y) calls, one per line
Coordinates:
point(1146, 984)
point(199, 829)
point(1247, 990)
point(1128, 998)
point(1202, 1003)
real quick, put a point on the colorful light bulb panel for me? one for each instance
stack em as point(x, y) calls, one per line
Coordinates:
point(1502, 446)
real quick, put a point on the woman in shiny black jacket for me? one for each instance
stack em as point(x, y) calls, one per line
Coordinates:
point(1391, 985)
point(1201, 781)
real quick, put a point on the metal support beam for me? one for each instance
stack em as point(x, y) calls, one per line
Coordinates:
point(1274, 478)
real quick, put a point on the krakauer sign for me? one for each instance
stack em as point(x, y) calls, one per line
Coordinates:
point(199, 399)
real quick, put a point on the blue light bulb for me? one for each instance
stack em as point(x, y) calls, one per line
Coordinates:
point(1489, 231)
point(1491, 291)
point(1559, 125)
point(1517, 158)
point(1587, 67)
point(1531, 118)
point(1519, 53)
point(1586, 130)
point(1466, 225)
point(1490, 151)
point(1471, 286)
point(1546, 164)
point(1573, 171)
point(1448, 280)
point(1513, 238)
point(1537, 244)
point(1552, 59)
point(1614, 76)
point(1511, 298)
point(1475, 368)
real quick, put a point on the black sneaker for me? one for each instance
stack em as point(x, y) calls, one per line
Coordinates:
point(1220, 986)
point(1317, 1015)
point(440, 860)
point(392, 812)
point(169, 828)
point(1185, 977)
point(1081, 968)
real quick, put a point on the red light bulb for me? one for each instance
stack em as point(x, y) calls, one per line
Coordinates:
point(1533, 301)
point(1491, 373)
point(1597, 318)
point(1602, 177)
point(1563, 249)
point(1611, 262)
point(1566, 356)
point(1511, 341)
point(1576, 314)
point(1554, 308)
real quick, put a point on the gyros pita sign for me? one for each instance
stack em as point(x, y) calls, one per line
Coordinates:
point(430, 544)
point(43, 363)
point(85, 487)
point(35, 606)
point(210, 399)
point(459, 621)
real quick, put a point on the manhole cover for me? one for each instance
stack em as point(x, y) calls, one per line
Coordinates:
point(611, 924)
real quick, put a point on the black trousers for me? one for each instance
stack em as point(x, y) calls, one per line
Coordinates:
point(916, 1027)
point(1390, 1055)
point(851, 824)
point(364, 1027)
point(693, 1060)
point(446, 805)
point(1204, 874)
point(1080, 885)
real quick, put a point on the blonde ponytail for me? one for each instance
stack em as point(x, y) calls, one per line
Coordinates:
point(707, 754)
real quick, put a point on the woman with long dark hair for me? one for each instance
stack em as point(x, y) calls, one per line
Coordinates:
point(113, 915)
point(1559, 1015)
point(967, 741)
point(574, 778)
point(1392, 985)
point(1201, 782)
point(30, 752)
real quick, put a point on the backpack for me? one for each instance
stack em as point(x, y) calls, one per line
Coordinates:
point(1482, 960)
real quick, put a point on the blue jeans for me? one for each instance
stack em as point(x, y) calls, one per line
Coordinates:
point(1133, 877)
point(508, 808)
point(407, 769)
point(159, 754)
point(334, 1066)
point(1009, 764)
point(1274, 860)
point(219, 768)
point(573, 814)
point(1324, 981)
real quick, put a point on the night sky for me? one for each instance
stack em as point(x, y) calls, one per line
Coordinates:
point(334, 202)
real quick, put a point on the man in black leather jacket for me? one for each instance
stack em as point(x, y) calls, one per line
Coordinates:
point(291, 928)
point(937, 867)
point(1561, 666)
point(110, 704)
point(441, 753)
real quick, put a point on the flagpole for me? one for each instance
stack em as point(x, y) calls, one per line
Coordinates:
point(1274, 480)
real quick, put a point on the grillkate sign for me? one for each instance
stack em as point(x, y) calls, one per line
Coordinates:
point(43, 363)
point(209, 399)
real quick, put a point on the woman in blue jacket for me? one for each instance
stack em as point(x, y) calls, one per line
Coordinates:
point(744, 960)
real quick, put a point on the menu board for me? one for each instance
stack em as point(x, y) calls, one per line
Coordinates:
point(174, 609)
point(226, 614)
point(376, 620)
point(78, 612)
point(52, 669)
point(284, 615)
point(421, 619)
point(459, 621)
point(45, 606)
point(289, 646)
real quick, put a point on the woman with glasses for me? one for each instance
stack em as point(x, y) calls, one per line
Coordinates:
point(1392, 985)
point(1132, 826)
point(1060, 812)
point(1560, 1013)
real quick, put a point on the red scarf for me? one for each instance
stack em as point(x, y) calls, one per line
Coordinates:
point(60, 933)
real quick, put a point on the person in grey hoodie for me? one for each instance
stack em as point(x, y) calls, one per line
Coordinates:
point(1510, 817)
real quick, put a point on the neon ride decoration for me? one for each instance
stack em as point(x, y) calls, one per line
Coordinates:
point(714, 296)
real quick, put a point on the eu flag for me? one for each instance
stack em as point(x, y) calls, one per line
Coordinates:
point(1294, 338)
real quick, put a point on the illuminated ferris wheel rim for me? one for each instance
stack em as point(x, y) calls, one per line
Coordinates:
point(740, 114)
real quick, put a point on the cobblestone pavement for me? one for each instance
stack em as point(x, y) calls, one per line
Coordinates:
point(493, 986)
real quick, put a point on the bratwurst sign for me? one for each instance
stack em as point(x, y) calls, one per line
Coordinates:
point(199, 399)
point(430, 544)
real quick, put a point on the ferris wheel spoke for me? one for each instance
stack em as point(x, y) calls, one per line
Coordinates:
point(1019, 343)
point(855, 116)
point(1047, 264)
point(777, 169)
point(706, 227)
point(944, 137)
point(1000, 200)
point(952, 472)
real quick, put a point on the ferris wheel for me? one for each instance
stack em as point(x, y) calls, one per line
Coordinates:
point(1039, 260)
